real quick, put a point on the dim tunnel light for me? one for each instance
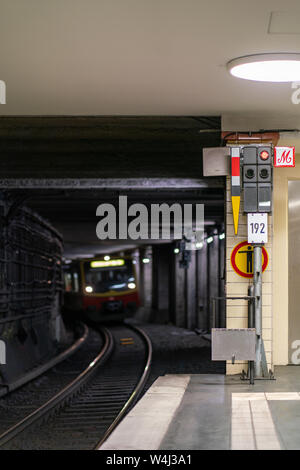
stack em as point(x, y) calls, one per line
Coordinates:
point(199, 245)
point(277, 67)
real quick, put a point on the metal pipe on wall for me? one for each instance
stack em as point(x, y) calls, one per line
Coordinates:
point(257, 284)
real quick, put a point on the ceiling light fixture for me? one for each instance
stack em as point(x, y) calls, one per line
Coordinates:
point(276, 67)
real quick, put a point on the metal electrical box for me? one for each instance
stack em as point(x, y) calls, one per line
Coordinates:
point(216, 161)
point(264, 197)
point(250, 154)
point(250, 197)
point(233, 343)
point(257, 178)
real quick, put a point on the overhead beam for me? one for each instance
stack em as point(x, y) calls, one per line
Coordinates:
point(111, 183)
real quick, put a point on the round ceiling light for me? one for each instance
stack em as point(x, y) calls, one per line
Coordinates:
point(267, 67)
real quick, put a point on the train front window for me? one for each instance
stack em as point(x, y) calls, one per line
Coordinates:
point(68, 281)
point(102, 276)
point(76, 282)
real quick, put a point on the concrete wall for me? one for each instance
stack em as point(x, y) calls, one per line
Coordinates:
point(294, 269)
point(281, 254)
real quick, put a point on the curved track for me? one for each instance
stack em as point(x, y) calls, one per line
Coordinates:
point(82, 414)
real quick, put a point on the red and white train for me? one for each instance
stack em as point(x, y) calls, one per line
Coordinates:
point(101, 289)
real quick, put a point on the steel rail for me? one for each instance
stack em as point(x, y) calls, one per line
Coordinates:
point(136, 392)
point(63, 394)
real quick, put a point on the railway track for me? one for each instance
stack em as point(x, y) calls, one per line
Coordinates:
point(83, 413)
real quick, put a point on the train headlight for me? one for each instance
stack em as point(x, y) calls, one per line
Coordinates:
point(131, 285)
point(89, 289)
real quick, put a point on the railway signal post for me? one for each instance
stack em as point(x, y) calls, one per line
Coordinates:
point(248, 164)
point(257, 182)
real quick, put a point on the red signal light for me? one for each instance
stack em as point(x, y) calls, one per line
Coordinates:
point(264, 155)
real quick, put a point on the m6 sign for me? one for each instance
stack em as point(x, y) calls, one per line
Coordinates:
point(284, 156)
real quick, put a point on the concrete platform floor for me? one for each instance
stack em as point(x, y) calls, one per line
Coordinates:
point(214, 412)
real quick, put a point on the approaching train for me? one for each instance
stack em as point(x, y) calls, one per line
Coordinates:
point(101, 289)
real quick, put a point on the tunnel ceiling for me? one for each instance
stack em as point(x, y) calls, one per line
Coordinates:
point(157, 159)
point(105, 147)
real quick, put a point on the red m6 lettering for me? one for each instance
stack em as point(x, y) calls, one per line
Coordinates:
point(285, 157)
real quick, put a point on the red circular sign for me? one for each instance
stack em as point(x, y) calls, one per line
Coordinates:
point(237, 266)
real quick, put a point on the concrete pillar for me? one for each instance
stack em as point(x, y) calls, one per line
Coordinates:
point(213, 278)
point(191, 288)
point(180, 296)
point(160, 281)
point(184, 282)
point(174, 289)
point(203, 318)
point(172, 285)
point(222, 277)
point(144, 271)
point(147, 278)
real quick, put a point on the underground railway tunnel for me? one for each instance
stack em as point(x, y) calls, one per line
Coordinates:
point(77, 163)
point(169, 293)
point(49, 228)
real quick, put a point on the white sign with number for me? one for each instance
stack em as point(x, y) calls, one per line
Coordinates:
point(258, 227)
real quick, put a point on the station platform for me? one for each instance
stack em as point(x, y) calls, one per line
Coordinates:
point(214, 412)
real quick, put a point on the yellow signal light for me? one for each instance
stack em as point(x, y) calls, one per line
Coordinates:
point(107, 264)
